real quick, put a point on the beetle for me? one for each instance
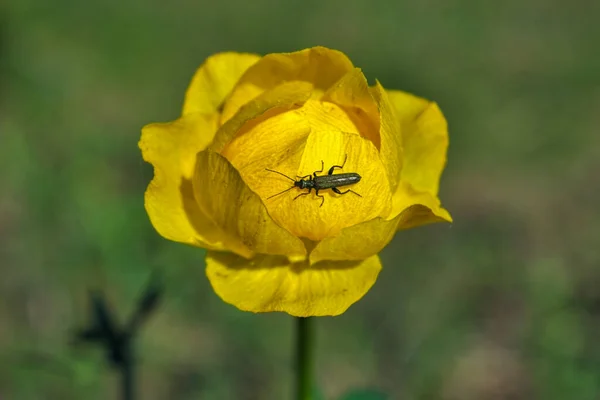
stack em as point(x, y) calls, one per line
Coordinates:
point(330, 181)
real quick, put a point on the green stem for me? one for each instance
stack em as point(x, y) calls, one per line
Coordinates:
point(127, 380)
point(304, 359)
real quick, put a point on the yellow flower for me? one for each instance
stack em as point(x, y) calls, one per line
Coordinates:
point(244, 114)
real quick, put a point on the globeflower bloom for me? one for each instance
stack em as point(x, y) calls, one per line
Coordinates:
point(293, 113)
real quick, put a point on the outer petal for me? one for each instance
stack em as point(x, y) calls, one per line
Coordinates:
point(407, 107)
point(319, 66)
point(391, 136)
point(423, 206)
point(171, 148)
point(270, 283)
point(278, 99)
point(360, 241)
point(223, 195)
point(214, 80)
point(352, 93)
point(425, 136)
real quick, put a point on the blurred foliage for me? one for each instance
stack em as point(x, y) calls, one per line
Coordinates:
point(502, 304)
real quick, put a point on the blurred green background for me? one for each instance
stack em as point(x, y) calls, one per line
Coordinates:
point(502, 304)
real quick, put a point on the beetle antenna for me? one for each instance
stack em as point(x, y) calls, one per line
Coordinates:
point(280, 192)
point(277, 172)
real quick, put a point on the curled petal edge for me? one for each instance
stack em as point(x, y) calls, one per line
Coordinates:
point(370, 237)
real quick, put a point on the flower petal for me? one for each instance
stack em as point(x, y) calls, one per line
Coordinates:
point(390, 135)
point(425, 137)
point(214, 80)
point(407, 106)
point(363, 240)
point(238, 211)
point(171, 148)
point(319, 66)
point(369, 238)
point(278, 99)
point(277, 139)
point(352, 94)
point(272, 141)
point(326, 116)
point(416, 207)
point(305, 217)
point(356, 242)
point(271, 283)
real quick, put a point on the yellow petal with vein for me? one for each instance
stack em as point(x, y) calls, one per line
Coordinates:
point(238, 211)
point(281, 98)
point(425, 136)
point(410, 209)
point(271, 283)
point(390, 133)
point(319, 66)
point(305, 217)
point(352, 94)
point(214, 80)
point(171, 148)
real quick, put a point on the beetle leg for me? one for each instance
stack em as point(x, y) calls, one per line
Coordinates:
point(322, 166)
point(322, 197)
point(303, 194)
point(336, 190)
point(337, 166)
